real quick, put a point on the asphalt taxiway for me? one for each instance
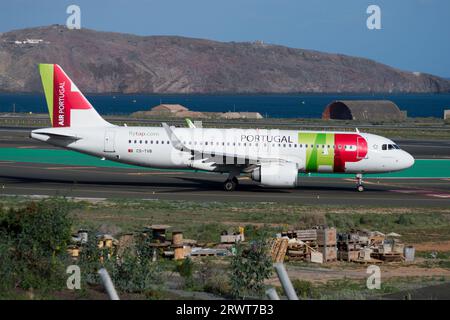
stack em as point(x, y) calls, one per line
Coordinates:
point(33, 179)
point(41, 179)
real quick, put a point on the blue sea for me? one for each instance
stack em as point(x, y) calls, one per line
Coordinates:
point(271, 106)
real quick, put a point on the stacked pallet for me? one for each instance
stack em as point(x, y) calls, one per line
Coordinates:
point(349, 246)
point(326, 241)
point(301, 244)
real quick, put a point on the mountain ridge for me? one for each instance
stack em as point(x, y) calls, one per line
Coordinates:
point(108, 62)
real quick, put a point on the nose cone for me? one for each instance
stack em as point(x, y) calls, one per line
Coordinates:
point(407, 160)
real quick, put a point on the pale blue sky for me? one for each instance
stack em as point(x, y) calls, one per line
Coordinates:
point(415, 33)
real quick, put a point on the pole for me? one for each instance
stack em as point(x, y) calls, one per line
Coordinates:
point(285, 281)
point(272, 294)
point(108, 284)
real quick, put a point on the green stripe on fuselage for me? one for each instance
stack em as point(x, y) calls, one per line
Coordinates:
point(321, 156)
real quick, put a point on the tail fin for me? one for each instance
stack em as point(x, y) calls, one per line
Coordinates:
point(67, 106)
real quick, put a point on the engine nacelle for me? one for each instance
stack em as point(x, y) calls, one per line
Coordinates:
point(276, 174)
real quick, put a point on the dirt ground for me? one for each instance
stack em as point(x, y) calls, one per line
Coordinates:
point(442, 246)
point(336, 271)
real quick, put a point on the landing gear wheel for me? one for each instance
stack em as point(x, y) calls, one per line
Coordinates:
point(230, 185)
point(359, 185)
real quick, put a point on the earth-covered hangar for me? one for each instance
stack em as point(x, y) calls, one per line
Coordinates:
point(369, 110)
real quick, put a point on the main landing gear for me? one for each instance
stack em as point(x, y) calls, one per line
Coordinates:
point(359, 184)
point(231, 183)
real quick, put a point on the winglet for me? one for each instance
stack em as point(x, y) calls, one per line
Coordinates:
point(190, 123)
point(176, 143)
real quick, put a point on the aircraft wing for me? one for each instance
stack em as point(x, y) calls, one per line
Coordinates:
point(244, 158)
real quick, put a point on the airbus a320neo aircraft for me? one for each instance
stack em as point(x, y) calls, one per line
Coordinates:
point(273, 158)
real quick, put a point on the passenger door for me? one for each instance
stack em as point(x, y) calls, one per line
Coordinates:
point(109, 141)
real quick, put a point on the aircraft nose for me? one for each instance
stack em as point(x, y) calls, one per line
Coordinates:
point(408, 160)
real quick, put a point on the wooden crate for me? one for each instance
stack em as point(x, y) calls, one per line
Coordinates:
point(326, 237)
point(331, 253)
point(306, 235)
point(348, 256)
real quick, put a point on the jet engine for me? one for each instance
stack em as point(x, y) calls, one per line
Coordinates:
point(276, 174)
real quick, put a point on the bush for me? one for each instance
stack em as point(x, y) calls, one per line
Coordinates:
point(405, 220)
point(212, 277)
point(132, 271)
point(249, 268)
point(186, 269)
point(34, 241)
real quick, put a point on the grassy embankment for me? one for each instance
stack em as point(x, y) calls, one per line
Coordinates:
point(205, 221)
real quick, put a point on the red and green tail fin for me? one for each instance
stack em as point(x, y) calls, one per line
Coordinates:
point(67, 106)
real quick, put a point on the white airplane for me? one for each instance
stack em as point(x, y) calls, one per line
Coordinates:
point(272, 158)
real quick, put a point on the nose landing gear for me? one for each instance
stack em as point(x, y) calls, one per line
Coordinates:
point(359, 184)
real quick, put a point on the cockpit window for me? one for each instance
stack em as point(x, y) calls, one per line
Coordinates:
point(389, 147)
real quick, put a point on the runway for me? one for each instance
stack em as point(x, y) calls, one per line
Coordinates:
point(17, 178)
point(22, 177)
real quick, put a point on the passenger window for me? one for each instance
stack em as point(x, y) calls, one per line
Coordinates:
point(135, 141)
point(157, 141)
point(129, 141)
point(168, 142)
point(339, 146)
